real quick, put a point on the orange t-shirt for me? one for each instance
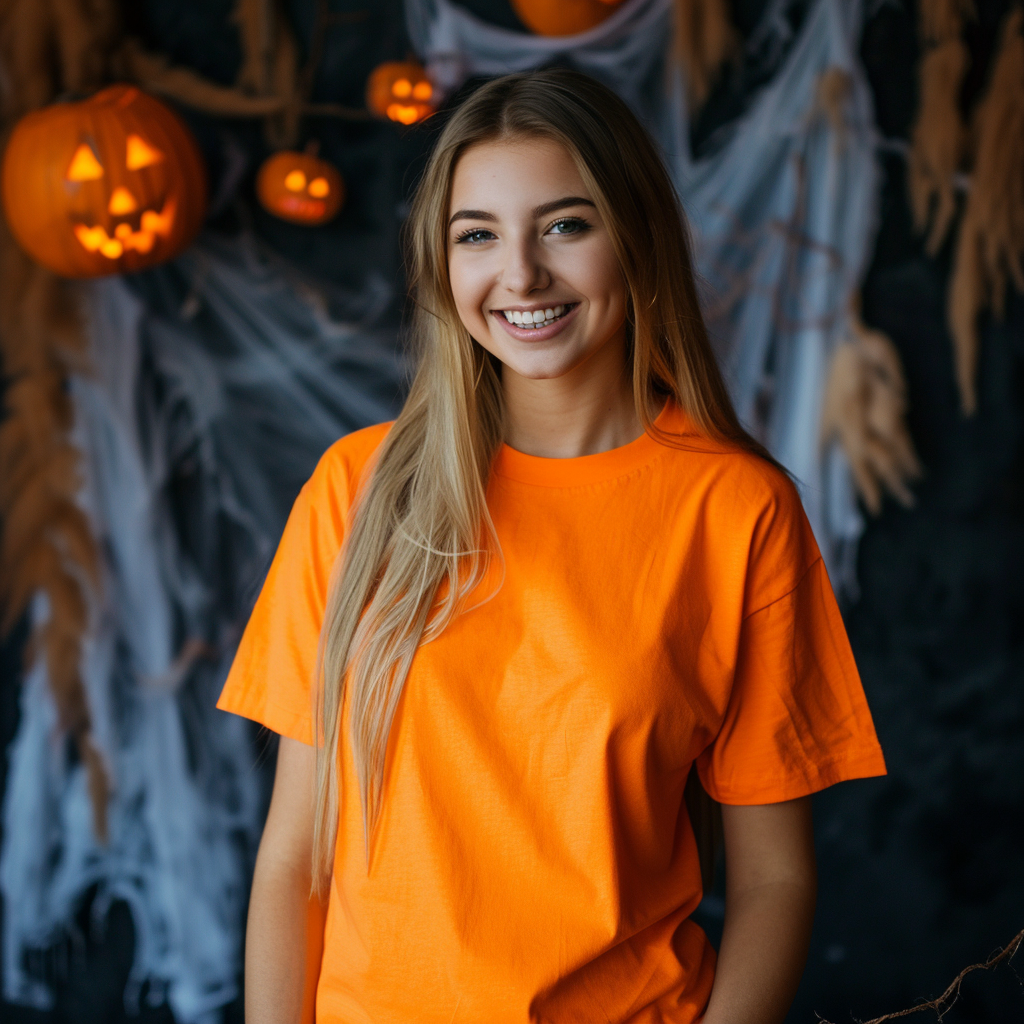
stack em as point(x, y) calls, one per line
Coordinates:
point(534, 860)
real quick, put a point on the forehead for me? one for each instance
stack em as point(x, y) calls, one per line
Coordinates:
point(514, 174)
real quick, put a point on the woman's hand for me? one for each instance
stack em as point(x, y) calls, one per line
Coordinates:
point(284, 935)
point(770, 889)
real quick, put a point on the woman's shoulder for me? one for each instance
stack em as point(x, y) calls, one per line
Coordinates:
point(749, 511)
point(730, 475)
point(342, 468)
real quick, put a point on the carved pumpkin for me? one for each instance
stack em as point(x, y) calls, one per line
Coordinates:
point(300, 187)
point(400, 91)
point(110, 185)
point(563, 17)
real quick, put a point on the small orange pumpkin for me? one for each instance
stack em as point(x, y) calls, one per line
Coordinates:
point(300, 187)
point(400, 91)
point(563, 17)
point(110, 185)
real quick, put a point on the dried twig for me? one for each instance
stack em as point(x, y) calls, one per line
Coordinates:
point(945, 1002)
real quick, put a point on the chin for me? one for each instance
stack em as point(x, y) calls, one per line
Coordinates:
point(540, 369)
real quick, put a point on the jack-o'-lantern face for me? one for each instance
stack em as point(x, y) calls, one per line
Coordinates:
point(109, 185)
point(135, 228)
point(300, 187)
point(400, 91)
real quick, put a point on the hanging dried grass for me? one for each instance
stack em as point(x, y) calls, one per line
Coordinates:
point(990, 249)
point(944, 19)
point(937, 141)
point(86, 34)
point(48, 47)
point(704, 40)
point(865, 408)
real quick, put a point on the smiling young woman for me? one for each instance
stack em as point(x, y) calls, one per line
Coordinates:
point(500, 634)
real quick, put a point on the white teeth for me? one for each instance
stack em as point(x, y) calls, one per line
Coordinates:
point(532, 318)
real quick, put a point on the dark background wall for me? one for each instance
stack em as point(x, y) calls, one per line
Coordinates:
point(920, 871)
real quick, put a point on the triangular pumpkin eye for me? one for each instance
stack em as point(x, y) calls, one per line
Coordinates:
point(84, 166)
point(141, 153)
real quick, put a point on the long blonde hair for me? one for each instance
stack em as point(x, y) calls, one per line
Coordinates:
point(421, 536)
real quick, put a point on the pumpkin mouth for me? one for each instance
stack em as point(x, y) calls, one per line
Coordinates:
point(152, 225)
point(300, 206)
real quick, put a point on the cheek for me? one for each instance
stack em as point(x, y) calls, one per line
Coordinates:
point(471, 284)
point(604, 276)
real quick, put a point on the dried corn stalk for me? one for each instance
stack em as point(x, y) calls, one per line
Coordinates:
point(865, 407)
point(990, 249)
point(938, 138)
point(704, 40)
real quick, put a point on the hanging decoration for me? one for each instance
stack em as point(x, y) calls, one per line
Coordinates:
point(300, 187)
point(110, 185)
point(985, 161)
point(705, 41)
point(865, 409)
point(938, 138)
point(400, 91)
point(990, 247)
point(563, 17)
point(48, 553)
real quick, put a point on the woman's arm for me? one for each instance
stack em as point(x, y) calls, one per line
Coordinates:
point(284, 935)
point(770, 888)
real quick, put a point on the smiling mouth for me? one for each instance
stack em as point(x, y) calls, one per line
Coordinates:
point(538, 317)
point(152, 225)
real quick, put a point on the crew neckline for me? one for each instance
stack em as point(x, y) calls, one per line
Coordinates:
point(589, 469)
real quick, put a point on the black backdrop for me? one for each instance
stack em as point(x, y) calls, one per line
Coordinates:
point(920, 872)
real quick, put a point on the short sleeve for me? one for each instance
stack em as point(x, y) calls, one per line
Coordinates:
point(271, 677)
point(797, 720)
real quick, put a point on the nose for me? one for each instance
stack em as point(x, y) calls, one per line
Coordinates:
point(122, 202)
point(524, 270)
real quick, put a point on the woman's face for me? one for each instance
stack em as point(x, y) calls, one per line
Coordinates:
point(534, 276)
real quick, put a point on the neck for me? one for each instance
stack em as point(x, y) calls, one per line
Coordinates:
point(584, 412)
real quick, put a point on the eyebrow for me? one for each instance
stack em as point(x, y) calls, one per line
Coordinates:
point(538, 211)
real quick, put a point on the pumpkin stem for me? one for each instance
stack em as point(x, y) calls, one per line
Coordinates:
point(312, 147)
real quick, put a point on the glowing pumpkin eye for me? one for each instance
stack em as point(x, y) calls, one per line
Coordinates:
point(422, 91)
point(401, 88)
point(141, 154)
point(319, 188)
point(295, 181)
point(84, 166)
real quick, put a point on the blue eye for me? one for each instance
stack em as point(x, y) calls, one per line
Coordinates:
point(474, 235)
point(569, 226)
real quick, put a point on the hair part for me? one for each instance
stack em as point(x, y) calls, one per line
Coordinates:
point(421, 538)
